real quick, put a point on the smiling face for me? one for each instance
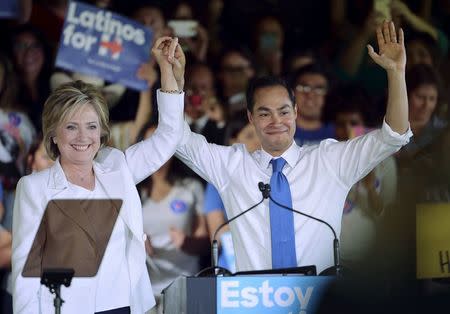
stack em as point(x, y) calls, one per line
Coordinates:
point(422, 103)
point(273, 117)
point(310, 93)
point(78, 136)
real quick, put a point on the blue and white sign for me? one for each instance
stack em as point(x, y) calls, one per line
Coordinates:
point(103, 44)
point(9, 8)
point(270, 294)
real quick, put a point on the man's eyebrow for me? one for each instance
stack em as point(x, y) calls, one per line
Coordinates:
point(284, 107)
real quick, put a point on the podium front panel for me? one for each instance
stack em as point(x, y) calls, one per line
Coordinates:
point(256, 294)
point(270, 294)
point(201, 295)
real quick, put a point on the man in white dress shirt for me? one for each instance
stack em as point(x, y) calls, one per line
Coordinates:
point(319, 176)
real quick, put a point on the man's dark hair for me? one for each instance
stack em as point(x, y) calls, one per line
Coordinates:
point(429, 43)
point(422, 74)
point(263, 82)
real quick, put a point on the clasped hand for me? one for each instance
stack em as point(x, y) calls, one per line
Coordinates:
point(170, 57)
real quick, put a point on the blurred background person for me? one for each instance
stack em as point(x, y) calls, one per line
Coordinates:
point(16, 136)
point(370, 197)
point(200, 92)
point(148, 13)
point(175, 226)
point(311, 84)
point(403, 16)
point(33, 62)
point(269, 43)
point(38, 159)
point(125, 133)
point(236, 69)
point(423, 86)
point(196, 47)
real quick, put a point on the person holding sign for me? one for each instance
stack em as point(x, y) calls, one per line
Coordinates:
point(75, 127)
point(313, 179)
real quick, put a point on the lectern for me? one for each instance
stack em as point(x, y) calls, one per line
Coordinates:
point(251, 294)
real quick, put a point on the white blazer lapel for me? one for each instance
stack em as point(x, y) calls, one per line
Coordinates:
point(57, 181)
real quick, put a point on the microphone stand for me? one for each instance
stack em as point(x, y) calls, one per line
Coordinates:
point(214, 268)
point(53, 279)
point(333, 270)
point(265, 190)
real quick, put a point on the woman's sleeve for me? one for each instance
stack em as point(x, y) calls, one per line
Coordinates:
point(147, 156)
point(26, 220)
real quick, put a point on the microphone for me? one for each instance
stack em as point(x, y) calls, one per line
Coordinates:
point(265, 189)
point(215, 246)
point(334, 270)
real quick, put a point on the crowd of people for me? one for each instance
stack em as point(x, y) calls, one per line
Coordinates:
point(323, 53)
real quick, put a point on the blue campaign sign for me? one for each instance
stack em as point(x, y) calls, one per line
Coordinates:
point(270, 294)
point(104, 44)
point(9, 8)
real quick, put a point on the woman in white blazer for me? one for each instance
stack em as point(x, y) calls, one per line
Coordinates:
point(75, 126)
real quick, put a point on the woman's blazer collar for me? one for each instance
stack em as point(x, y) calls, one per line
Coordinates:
point(111, 181)
point(103, 171)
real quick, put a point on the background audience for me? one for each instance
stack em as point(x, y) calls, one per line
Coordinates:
point(234, 42)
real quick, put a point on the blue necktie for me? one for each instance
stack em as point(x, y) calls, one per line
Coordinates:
point(281, 219)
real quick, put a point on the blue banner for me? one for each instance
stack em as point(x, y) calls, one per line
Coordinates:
point(9, 8)
point(270, 294)
point(103, 44)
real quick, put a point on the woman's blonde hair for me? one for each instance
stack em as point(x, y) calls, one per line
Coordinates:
point(66, 100)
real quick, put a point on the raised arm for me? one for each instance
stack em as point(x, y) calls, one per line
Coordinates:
point(212, 162)
point(392, 57)
point(147, 156)
point(143, 114)
point(418, 23)
point(171, 61)
point(353, 55)
point(354, 159)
